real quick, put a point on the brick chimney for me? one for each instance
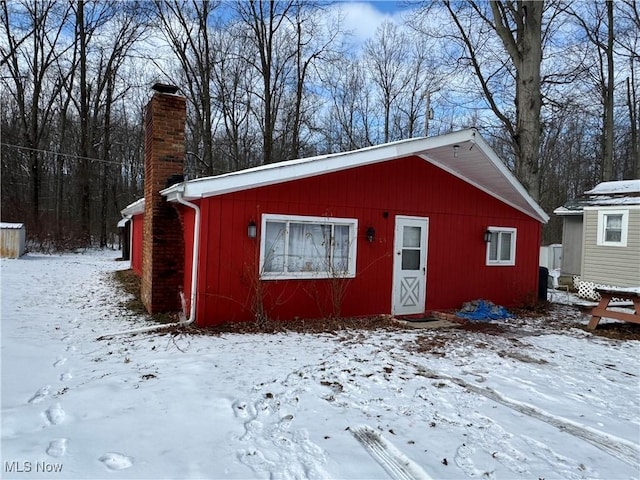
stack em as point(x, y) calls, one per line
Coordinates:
point(163, 242)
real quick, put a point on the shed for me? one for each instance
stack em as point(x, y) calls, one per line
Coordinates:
point(395, 229)
point(601, 235)
point(12, 240)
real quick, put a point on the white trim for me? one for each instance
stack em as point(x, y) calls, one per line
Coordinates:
point(398, 275)
point(476, 164)
point(352, 223)
point(602, 214)
point(134, 208)
point(502, 263)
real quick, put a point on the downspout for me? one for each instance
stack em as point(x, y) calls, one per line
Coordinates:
point(194, 259)
point(194, 278)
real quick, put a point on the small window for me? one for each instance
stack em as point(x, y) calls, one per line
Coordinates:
point(307, 247)
point(612, 227)
point(501, 250)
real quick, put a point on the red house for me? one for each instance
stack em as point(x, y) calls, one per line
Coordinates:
point(401, 228)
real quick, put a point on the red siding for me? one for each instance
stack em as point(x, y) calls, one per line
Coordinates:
point(456, 272)
point(137, 224)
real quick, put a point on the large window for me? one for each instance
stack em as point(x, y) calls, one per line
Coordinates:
point(307, 247)
point(612, 227)
point(501, 250)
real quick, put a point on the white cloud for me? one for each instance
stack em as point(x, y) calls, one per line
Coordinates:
point(362, 19)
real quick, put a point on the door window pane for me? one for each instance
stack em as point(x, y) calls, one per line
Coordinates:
point(411, 237)
point(410, 259)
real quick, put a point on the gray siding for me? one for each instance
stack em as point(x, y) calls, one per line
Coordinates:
point(571, 245)
point(617, 266)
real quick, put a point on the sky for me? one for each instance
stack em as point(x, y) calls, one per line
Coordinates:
point(525, 398)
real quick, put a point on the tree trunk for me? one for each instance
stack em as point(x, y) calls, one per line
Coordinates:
point(607, 171)
point(525, 50)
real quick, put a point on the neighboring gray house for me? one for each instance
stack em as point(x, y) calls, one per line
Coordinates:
point(601, 235)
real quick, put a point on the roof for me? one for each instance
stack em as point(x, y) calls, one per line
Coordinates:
point(11, 225)
point(605, 194)
point(473, 161)
point(134, 208)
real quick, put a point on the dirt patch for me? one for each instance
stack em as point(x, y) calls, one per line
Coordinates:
point(617, 331)
point(319, 325)
point(130, 283)
point(483, 327)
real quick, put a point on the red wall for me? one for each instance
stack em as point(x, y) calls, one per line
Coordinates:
point(456, 272)
point(137, 224)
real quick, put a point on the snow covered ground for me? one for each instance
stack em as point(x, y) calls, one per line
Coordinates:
point(531, 403)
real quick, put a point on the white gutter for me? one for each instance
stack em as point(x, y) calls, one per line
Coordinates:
point(194, 278)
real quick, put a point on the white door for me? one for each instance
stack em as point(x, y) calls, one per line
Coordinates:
point(409, 265)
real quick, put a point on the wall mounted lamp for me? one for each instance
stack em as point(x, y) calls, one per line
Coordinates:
point(252, 230)
point(455, 150)
point(371, 234)
point(487, 236)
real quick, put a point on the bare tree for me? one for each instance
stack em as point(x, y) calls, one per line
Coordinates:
point(187, 26)
point(386, 53)
point(518, 25)
point(596, 21)
point(271, 56)
point(30, 52)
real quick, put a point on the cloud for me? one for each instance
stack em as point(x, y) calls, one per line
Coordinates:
point(363, 18)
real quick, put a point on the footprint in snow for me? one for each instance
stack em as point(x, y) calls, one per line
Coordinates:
point(66, 376)
point(57, 447)
point(54, 414)
point(256, 460)
point(40, 395)
point(60, 361)
point(116, 461)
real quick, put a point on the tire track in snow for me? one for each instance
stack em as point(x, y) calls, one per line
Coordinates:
point(620, 448)
point(395, 463)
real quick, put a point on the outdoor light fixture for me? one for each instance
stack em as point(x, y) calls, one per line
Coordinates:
point(371, 234)
point(487, 236)
point(252, 230)
point(455, 150)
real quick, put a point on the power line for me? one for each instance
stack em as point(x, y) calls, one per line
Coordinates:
point(79, 157)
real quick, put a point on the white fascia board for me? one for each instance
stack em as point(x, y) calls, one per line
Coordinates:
point(304, 168)
point(565, 212)
point(511, 179)
point(134, 208)
point(280, 172)
point(612, 207)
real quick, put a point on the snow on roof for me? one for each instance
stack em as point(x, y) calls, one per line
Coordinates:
point(473, 161)
point(11, 225)
point(605, 194)
point(134, 208)
point(616, 188)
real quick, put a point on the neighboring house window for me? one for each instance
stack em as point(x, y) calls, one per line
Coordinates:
point(501, 250)
point(307, 247)
point(612, 227)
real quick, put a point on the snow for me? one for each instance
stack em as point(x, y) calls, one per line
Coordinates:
point(615, 188)
point(532, 402)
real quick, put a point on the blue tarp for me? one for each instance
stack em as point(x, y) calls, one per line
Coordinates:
point(482, 310)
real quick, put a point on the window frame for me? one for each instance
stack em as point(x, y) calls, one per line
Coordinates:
point(603, 214)
point(352, 223)
point(512, 248)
